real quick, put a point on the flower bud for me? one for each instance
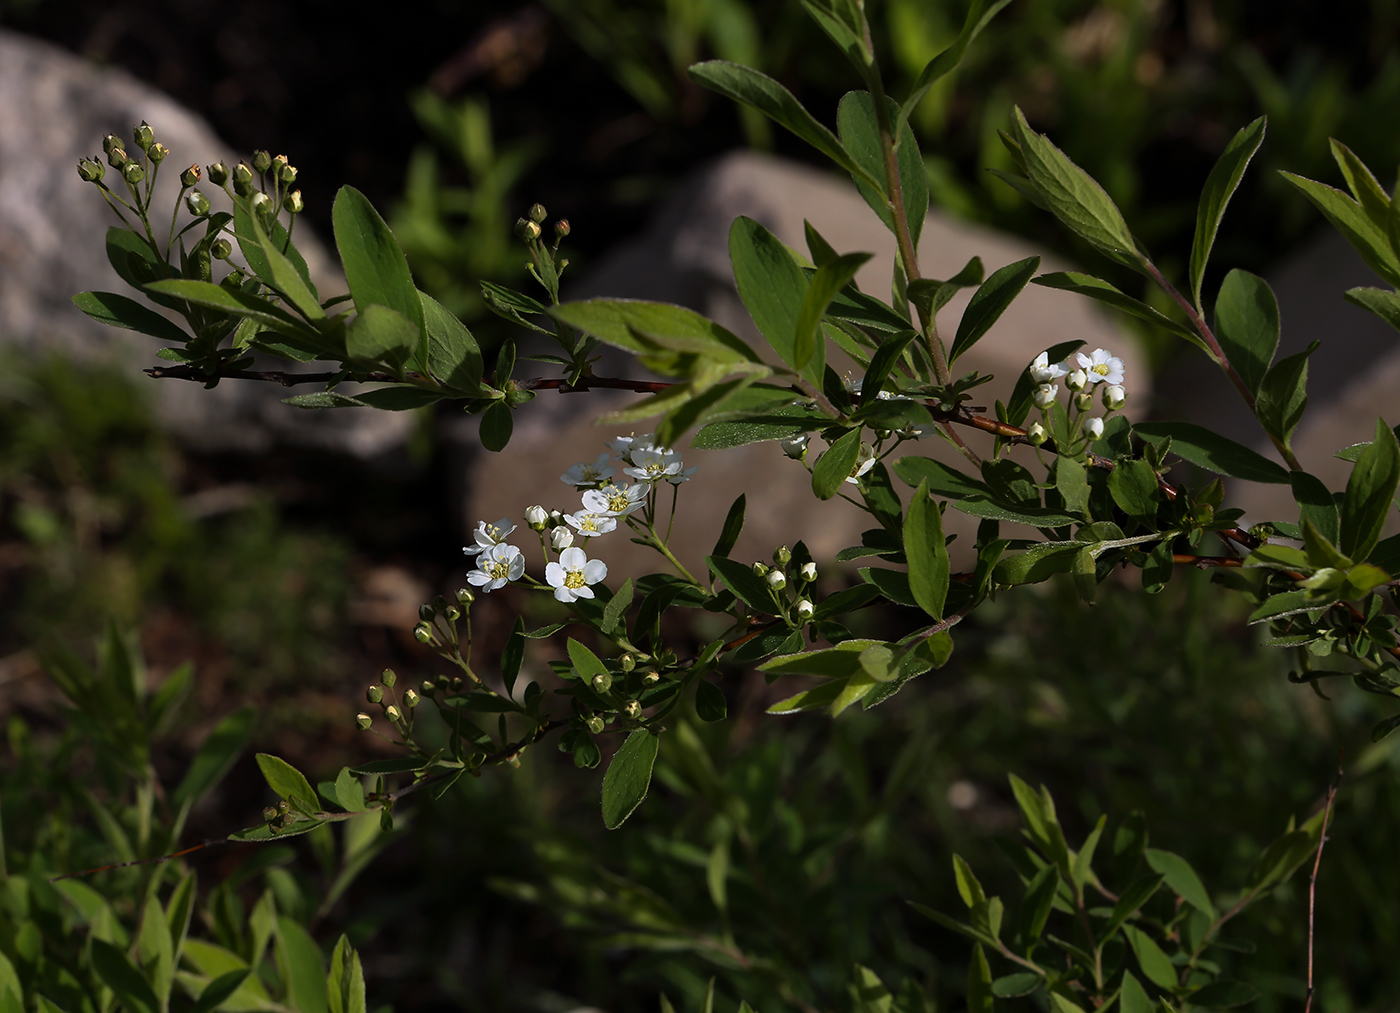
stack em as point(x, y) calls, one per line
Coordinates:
point(143, 134)
point(805, 609)
point(429, 688)
point(1037, 434)
point(112, 141)
point(423, 633)
point(1077, 380)
point(795, 447)
point(1084, 400)
point(453, 613)
point(388, 678)
point(809, 572)
point(262, 204)
point(651, 678)
point(537, 517)
point(262, 161)
point(190, 176)
point(1093, 428)
point(560, 539)
point(158, 152)
point(776, 580)
point(197, 203)
point(602, 682)
point(426, 613)
point(760, 569)
point(284, 806)
point(595, 724)
point(562, 228)
point(218, 173)
point(393, 713)
point(633, 709)
point(1114, 396)
point(527, 230)
point(270, 813)
point(116, 158)
point(374, 694)
point(1044, 395)
point(410, 698)
point(221, 249)
point(537, 213)
point(628, 662)
point(292, 203)
point(133, 173)
point(242, 177)
point(782, 555)
point(465, 597)
point(90, 170)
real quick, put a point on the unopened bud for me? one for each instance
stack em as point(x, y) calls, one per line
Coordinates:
point(805, 609)
point(602, 682)
point(809, 572)
point(537, 517)
point(537, 213)
point(453, 613)
point(776, 580)
point(423, 633)
point(650, 678)
point(760, 569)
point(197, 203)
point(795, 446)
point(782, 555)
point(374, 694)
point(90, 170)
point(112, 141)
point(158, 152)
point(595, 724)
point(284, 806)
point(1044, 395)
point(556, 518)
point(262, 204)
point(410, 698)
point(426, 612)
point(143, 135)
point(133, 173)
point(262, 161)
point(560, 539)
point(465, 597)
point(242, 177)
point(1037, 434)
point(218, 173)
point(393, 713)
point(633, 709)
point(270, 814)
point(527, 230)
point(116, 158)
point(292, 203)
point(628, 662)
point(190, 176)
point(1077, 380)
point(562, 228)
point(221, 249)
point(429, 688)
point(363, 721)
point(1114, 396)
point(1093, 428)
point(388, 677)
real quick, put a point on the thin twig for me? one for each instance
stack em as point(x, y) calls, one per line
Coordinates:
point(1312, 882)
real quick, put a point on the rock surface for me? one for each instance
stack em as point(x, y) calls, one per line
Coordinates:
point(54, 109)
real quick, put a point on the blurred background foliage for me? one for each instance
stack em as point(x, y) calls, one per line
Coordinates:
point(507, 893)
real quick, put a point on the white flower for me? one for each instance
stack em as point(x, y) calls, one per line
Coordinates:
point(1093, 428)
point(590, 524)
point(573, 573)
point(805, 609)
point(809, 572)
point(561, 538)
point(654, 465)
point(865, 460)
point(586, 474)
point(1044, 395)
point(1043, 371)
point(1077, 380)
point(624, 446)
point(1114, 396)
point(537, 517)
point(496, 566)
point(616, 500)
point(488, 535)
point(776, 580)
point(683, 476)
point(1101, 366)
point(795, 446)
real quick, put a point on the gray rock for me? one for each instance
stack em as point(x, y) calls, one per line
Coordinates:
point(54, 109)
point(683, 258)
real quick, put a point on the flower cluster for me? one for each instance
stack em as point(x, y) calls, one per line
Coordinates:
point(1081, 373)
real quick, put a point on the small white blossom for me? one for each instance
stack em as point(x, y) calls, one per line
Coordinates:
point(809, 572)
point(623, 446)
point(654, 465)
point(1114, 396)
point(1077, 380)
point(805, 609)
point(776, 580)
point(865, 460)
point(1043, 371)
point(1037, 434)
point(488, 535)
point(537, 517)
point(616, 500)
point(1101, 366)
point(573, 573)
point(587, 474)
point(1044, 395)
point(795, 446)
point(561, 538)
point(683, 476)
point(1093, 428)
point(590, 524)
point(497, 566)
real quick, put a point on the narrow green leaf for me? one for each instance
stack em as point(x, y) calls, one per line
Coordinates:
point(1154, 963)
point(828, 280)
point(1084, 860)
point(300, 965)
point(1182, 879)
point(1348, 218)
point(978, 15)
point(1220, 187)
point(1133, 997)
point(1224, 995)
point(930, 295)
point(349, 792)
point(1283, 396)
point(1382, 302)
point(926, 552)
point(1013, 986)
point(844, 22)
point(747, 586)
point(1134, 897)
point(834, 466)
point(219, 990)
point(771, 286)
point(746, 85)
point(1315, 504)
point(252, 250)
point(585, 662)
point(979, 983)
point(236, 303)
point(375, 266)
point(628, 777)
point(215, 756)
point(283, 276)
point(454, 358)
point(119, 311)
point(1206, 449)
point(733, 526)
point(642, 327)
point(122, 977)
point(1364, 186)
point(859, 130)
point(942, 480)
point(616, 607)
point(1102, 291)
point(989, 302)
point(1072, 483)
point(1247, 325)
point(1369, 494)
point(513, 654)
point(380, 334)
point(497, 422)
point(289, 783)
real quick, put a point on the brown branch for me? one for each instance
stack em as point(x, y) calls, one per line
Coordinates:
point(1203, 562)
point(292, 379)
point(1312, 882)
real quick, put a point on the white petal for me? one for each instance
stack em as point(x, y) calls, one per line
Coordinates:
point(580, 592)
point(573, 558)
point(554, 574)
point(563, 593)
point(595, 570)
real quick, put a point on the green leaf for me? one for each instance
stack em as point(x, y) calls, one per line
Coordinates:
point(1134, 897)
point(237, 303)
point(1102, 291)
point(1247, 326)
point(454, 358)
point(219, 990)
point(1133, 485)
point(1154, 963)
point(497, 422)
point(1036, 905)
point(942, 479)
point(837, 662)
point(1084, 859)
point(968, 887)
point(584, 661)
point(345, 984)
point(710, 704)
point(978, 15)
point(829, 279)
point(628, 777)
point(155, 951)
point(119, 311)
point(247, 235)
point(1133, 997)
point(747, 586)
point(349, 793)
point(1283, 395)
point(1182, 879)
point(1060, 1004)
point(926, 552)
point(834, 466)
point(1279, 860)
point(215, 756)
point(1013, 986)
point(1220, 187)
point(1072, 483)
point(299, 962)
point(979, 983)
point(1382, 302)
point(1315, 504)
point(281, 274)
point(771, 285)
point(982, 506)
point(733, 526)
point(860, 135)
point(1364, 186)
point(380, 334)
point(1224, 995)
point(1370, 493)
point(930, 296)
point(1348, 218)
point(844, 22)
point(289, 783)
point(1213, 452)
point(1074, 197)
point(122, 977)
point(746, 85)
point(1037, 563)
point(616, 607)
point(822, 696)
point(375, 266)
point(989, 302)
